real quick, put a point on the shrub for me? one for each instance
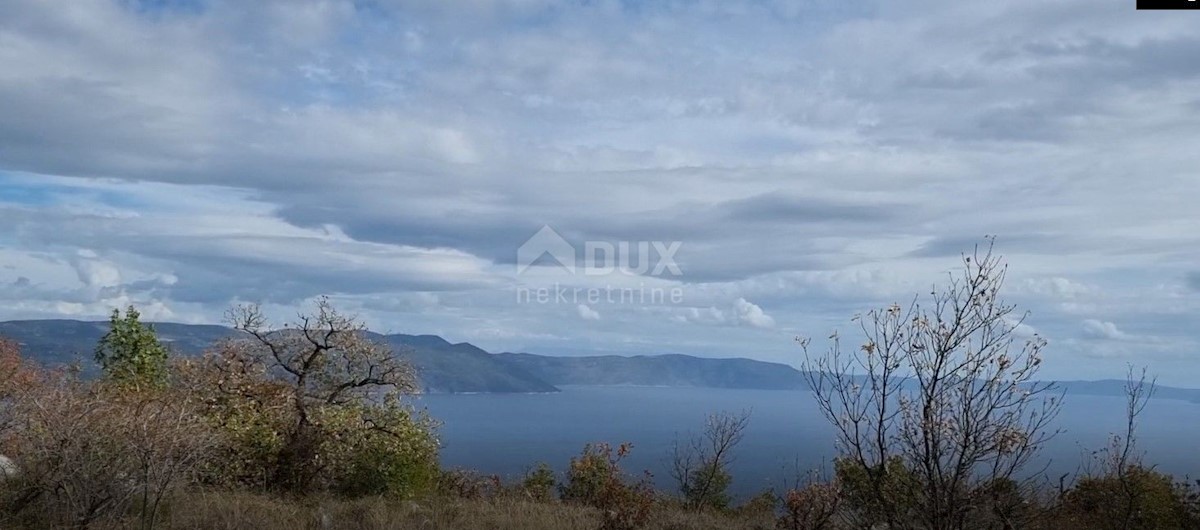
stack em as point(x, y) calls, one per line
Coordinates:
point(247, 411)
point(467, 484)
point(760, 505)
point(1004, 503)
point(595, 478)
point(1142, 498)
point(538, 483)
point(325, 360)
point(89, 453)
point(377, 449)
point(17, 378)
point(812, 507)
point(361, 446)
point(875, 494)
point(709, 487)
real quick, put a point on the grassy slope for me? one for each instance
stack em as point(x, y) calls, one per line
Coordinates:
point(259, 512)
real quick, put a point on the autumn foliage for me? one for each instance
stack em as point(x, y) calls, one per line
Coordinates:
point(294, 410)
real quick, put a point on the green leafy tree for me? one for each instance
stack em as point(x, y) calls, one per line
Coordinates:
point(130, 352)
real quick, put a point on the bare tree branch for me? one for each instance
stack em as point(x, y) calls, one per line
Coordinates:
point(939, 390)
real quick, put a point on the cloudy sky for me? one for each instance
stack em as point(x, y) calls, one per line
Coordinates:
point(812, 158)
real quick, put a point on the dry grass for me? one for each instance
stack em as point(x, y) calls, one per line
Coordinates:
point(242, 511)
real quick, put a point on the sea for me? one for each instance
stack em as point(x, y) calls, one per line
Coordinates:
point(787, 438)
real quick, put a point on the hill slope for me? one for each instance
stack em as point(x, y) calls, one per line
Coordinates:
point(446, 367)
point(442, 367)
point(659, 370)
point(66, 341)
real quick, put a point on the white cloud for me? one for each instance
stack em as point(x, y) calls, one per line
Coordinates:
point(749, 314)
point(1058, 287)
point(587, 313)
point(740, 313)
point(96, 273)
point(1105, 330)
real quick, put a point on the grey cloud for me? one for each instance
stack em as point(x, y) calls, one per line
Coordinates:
point(1025, 122)
point(941, 79)
point(714, 236)
point(782, 209)
point(1035, 243)
point(102, 130)
point(1148, 62)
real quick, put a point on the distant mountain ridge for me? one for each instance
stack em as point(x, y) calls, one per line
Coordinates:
point(445, 367)
point(659, 370)
point(442, 366)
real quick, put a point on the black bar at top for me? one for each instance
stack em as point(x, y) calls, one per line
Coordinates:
point(1168, 4)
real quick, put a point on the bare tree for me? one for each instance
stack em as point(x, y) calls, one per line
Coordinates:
point(700, 465)
point(936, 406)
point(1117, 491)
point(325, 359)
point(1123, 460)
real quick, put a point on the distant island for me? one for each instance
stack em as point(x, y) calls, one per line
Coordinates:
point(446, 367)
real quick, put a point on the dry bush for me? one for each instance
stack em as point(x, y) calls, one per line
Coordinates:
point(467, 484)
point(90, 455)
point(17, 377)
point(812, 507)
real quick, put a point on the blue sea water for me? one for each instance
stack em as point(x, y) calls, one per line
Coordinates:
point(506, 434)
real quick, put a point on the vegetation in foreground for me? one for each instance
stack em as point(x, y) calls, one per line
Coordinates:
point(937, 417)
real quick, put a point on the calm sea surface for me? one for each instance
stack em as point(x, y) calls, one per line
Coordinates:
point(506, 434)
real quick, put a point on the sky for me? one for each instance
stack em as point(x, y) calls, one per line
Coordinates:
point(798, 162)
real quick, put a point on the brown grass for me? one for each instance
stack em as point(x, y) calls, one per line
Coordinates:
point(244, 511)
